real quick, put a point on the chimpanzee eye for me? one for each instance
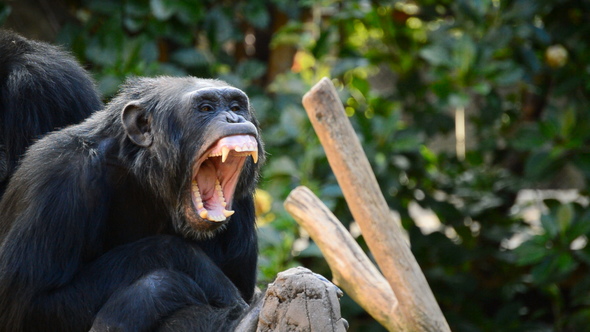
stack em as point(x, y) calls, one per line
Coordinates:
point(206, 108)
point(235, 108)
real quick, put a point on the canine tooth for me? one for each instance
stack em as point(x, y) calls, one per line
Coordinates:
point(224, 153)
point(200, 205)
point(204, 214)
point(255, 156)
point(228, 213)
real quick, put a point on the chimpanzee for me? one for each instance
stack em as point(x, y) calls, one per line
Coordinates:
point(140, 218)
point(41, 88)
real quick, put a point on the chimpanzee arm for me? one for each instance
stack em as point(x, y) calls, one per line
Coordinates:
point(51, 215)
point(173, 274)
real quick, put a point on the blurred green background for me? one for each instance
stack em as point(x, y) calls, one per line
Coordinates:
point(475, 116)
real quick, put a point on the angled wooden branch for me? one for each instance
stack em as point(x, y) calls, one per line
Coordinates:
point(351, 268)
point(370, 210)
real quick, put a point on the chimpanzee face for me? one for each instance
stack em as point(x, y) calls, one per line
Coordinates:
point(230, 141)
point(204, 132)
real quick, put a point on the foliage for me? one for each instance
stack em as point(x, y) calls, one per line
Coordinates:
point(518, 68)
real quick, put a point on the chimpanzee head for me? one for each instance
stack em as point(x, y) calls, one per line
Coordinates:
point(199, 147)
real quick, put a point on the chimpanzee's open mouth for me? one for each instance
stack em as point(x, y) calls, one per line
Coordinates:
point(216, 175)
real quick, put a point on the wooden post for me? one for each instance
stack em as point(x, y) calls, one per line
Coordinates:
point(351, 268)
point(370, 210)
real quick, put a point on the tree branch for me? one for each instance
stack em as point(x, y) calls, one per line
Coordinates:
point(351, 268)
point(370, 210)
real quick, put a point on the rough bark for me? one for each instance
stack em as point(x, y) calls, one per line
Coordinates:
point(300, 300)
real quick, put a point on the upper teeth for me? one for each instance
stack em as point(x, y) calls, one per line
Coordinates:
point(251, 148)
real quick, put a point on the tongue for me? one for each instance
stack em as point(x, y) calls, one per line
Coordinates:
point(208, 194)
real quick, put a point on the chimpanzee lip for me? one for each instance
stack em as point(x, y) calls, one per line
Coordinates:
point(216, 174)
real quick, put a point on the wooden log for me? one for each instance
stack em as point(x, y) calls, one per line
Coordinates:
point(351, 268)
point(370, 210)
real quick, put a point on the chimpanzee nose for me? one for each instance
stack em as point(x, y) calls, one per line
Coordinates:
point(233, 117)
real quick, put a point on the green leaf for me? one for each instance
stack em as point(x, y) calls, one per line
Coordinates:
point(436, 55)
point(565, 214)
point(251, 70)
point(580, 226)
point(553, 268)
point(98, 53)
point(133, 24)
point(189, 57)
point(530, 252)
point(258, 15)
point(568, 122)
point(459, 99)
point(464, 55)
point(482, 88)
point(149, 51)
point(345, 64)
point(407, 140)
point(549, 225)
point(5, 11)
point(281, 166)
point(564, 264)
point(219, 26)
point(162, 9)
point(109, 84)
point(509, 76)
point(538, 164)
point(582, 162)
point(323, 44)
point(528, 137)
point(311, 251)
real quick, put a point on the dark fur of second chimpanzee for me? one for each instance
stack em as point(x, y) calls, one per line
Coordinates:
point(42, 88)
point(93, 230)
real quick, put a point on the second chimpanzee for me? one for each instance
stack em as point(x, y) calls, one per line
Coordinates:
point(42, 88)
point(140, 218)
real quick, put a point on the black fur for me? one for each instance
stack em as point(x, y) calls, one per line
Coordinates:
point(42, 88)
point(97, 230)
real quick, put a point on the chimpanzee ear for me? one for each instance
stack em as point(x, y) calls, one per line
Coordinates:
point(137, 124)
